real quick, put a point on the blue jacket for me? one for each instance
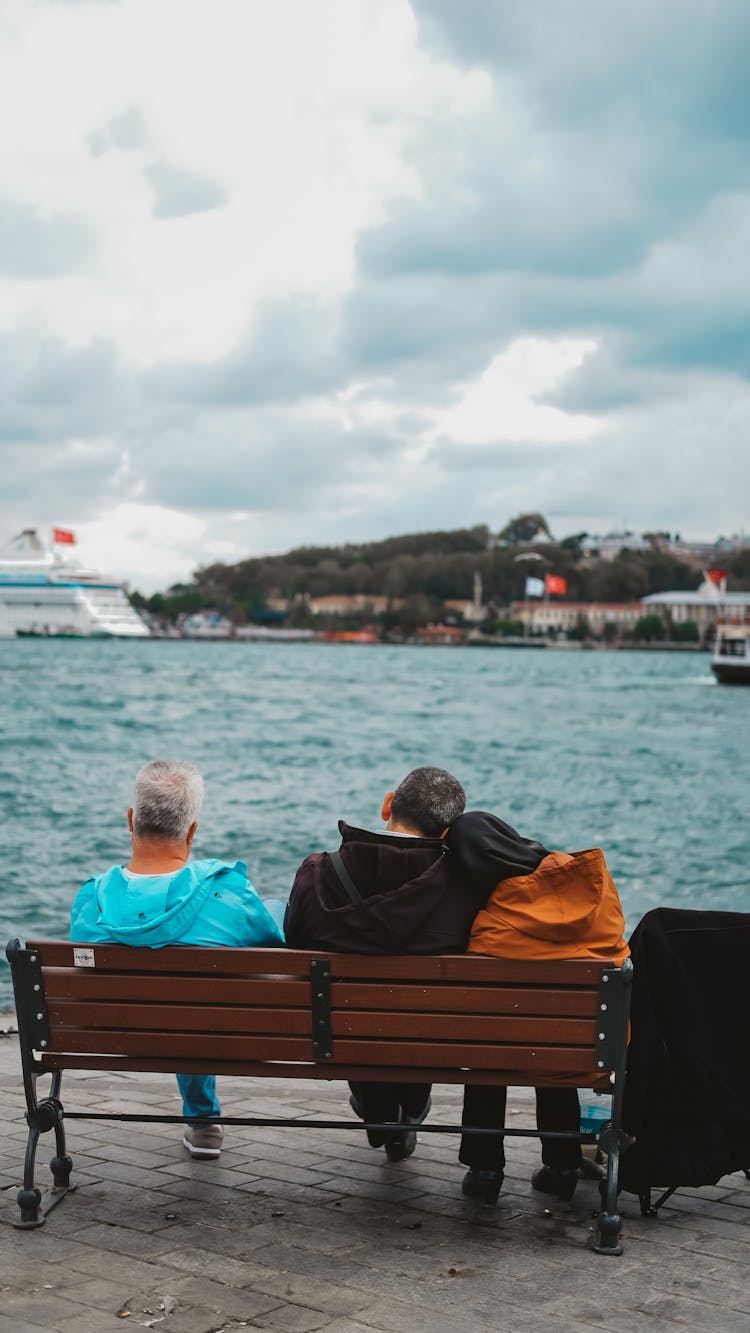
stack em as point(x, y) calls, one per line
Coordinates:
point(207, 902)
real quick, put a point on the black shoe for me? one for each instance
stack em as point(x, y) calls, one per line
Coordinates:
point(402, 1146)
point(357, 1106)
point(484, 1185)
point(553, 1180)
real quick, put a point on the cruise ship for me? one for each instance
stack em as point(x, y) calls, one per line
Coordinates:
point(45, 596)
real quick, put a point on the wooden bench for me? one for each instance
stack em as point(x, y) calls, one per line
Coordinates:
point(289, 1013)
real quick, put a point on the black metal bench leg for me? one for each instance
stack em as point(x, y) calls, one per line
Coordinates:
point(609, 1222)
point(649, 1209)
point(46, 1115)
point(29, 1198)
point(61, 1165)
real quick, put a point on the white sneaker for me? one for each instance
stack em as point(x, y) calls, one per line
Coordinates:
point(203, 1141)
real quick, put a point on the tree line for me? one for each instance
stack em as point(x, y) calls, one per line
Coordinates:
point(421, 571)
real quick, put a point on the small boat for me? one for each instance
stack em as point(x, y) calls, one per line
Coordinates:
point(351, 636)
point(731, 659)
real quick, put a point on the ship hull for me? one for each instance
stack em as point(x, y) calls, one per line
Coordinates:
point(732, 673)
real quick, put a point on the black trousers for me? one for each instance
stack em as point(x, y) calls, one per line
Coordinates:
point(484, 1108)
point(389, 1101)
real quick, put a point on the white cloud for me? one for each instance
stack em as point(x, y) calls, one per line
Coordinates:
point(287, 110)
point(151, 546)
point(501, 404)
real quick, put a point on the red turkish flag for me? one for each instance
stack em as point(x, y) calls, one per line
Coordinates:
point(716, 576)
point(62, 537)
point(556, 585)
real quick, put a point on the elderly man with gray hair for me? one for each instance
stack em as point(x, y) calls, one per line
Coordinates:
point(161, 897)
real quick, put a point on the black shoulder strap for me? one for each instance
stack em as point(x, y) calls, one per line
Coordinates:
point(345, 878)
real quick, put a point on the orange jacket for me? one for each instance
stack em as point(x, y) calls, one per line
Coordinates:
point(567, 908)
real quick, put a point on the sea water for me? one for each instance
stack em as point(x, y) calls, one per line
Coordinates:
point(639, 753)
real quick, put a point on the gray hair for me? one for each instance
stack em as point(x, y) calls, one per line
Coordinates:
point(166, 799)
point(429, 799)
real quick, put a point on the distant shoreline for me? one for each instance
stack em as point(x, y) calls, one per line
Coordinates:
point(555, 645)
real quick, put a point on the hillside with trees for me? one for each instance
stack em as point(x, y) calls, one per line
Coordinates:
point(418, 573)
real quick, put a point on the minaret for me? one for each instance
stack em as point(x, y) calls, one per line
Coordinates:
point(478, 594)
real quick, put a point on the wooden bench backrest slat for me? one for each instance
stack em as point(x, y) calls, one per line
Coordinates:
point(100, 1016)
point(473, 999)
point(84, 984)
point(465, 968)
point(371, 1051)
point(80, 983)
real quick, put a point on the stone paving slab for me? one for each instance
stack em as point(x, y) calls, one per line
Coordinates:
point(303, 1230)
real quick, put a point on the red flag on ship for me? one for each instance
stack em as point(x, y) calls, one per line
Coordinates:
point(63, 537)
point(556, 585)
point(717, 576)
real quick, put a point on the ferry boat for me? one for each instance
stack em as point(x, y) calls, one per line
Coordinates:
point(43, 595)
point(731, 659)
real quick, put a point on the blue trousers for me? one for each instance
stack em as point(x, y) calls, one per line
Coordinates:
point(199, 1095)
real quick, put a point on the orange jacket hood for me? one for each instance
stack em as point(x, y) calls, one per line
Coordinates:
point(567, 908)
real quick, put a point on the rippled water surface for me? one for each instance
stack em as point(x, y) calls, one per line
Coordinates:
point(640, 753)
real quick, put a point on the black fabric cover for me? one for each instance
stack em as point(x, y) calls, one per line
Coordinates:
point(687, 1090)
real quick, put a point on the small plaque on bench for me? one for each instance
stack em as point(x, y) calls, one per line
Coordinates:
point(83, 958)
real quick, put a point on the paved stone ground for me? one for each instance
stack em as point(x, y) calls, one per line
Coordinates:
point(306, 1230)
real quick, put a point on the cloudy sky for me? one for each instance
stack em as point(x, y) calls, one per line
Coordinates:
point(328, 270)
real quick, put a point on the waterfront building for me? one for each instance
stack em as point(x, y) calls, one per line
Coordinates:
point(704, 606)
point(346, 604)
point(562, 617)
point(610, 546)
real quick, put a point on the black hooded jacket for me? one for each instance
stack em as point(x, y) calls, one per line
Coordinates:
point(417, 900)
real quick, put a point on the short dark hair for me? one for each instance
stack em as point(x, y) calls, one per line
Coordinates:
point(429, 799)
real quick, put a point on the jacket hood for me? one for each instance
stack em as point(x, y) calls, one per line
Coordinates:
point(412, 899)
point(567, 908)
point(394, 874)
point(154, 910)
point(559, 905)
point(486, 849)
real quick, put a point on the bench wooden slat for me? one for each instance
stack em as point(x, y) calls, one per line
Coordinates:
point(476, 1028)
point(80, 983)
point(470, 968)
point(474, 999)
point(84, 984)
point(100, 1016)
point(583, 1077)
point(239, 1047)
point(296, 963)
point(473, 1028)
point(181, 958)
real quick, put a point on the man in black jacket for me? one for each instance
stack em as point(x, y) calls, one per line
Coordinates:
point(392, 892)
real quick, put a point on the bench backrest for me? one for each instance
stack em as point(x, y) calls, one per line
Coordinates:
point(454, 1018)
